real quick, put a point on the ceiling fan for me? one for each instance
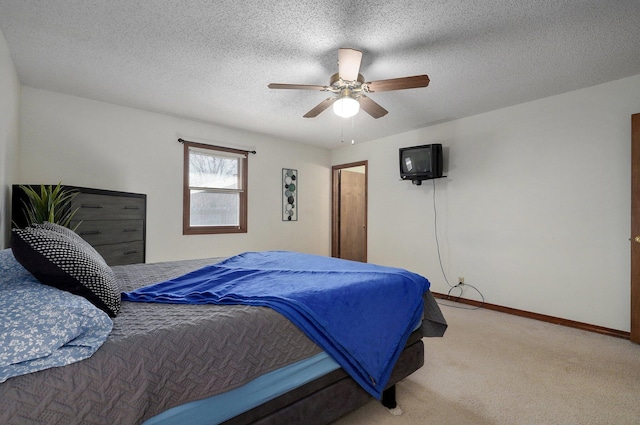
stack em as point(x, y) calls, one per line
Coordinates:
point(350, 87)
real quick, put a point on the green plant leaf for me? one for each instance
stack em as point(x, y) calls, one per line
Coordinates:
point(52, 204)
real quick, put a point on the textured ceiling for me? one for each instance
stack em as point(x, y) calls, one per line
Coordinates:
point(212, 60)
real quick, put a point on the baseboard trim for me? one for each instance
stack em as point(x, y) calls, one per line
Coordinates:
point(537, 316)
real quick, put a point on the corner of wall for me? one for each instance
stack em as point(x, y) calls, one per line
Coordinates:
point(9, 136)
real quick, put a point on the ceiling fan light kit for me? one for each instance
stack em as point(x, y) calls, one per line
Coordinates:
point(346, 106)
point(350, 87)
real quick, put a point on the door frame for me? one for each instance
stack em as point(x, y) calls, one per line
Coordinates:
point(335, 204)
point(635, 228)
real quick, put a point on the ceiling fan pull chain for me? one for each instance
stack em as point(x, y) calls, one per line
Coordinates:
point(353, 132)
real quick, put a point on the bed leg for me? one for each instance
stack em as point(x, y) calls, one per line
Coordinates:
point(389, 401)
point(389, 398)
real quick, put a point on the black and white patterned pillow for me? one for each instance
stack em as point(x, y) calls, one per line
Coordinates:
point(59, 260)
point(54, 227)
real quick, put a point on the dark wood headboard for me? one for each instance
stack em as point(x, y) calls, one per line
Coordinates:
point(114, 223)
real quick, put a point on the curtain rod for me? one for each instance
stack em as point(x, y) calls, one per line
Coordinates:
point(199, 143)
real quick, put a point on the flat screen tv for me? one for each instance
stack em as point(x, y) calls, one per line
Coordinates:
point(418, 163)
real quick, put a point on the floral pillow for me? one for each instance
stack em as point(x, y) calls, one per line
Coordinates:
point(41, 326)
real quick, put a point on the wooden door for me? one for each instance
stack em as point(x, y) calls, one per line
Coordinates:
point(352, 218)
point(635, 228)
point(349, 211)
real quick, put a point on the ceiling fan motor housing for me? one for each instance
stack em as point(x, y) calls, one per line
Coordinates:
point(338, 83)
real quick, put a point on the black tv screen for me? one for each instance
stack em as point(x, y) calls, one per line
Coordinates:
point(418, 163)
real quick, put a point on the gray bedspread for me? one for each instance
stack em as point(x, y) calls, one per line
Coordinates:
point(160, 355)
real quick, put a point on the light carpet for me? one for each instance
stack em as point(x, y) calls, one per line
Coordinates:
point(496, 368)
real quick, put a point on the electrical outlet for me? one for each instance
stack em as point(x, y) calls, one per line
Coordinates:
point(461, 279)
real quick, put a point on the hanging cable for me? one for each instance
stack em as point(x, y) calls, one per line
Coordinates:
point(435, 232)
point(460, 285)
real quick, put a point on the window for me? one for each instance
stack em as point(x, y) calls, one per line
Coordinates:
point(215, 190)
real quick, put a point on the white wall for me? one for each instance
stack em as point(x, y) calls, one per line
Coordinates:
point(9, 137)
point(93, 144)
point(534, 211)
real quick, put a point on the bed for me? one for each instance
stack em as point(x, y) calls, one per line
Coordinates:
point(192, 364)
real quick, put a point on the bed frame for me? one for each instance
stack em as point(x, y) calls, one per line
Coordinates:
point(332, 396)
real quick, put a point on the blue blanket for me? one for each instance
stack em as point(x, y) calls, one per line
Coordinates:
point(361, 314)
